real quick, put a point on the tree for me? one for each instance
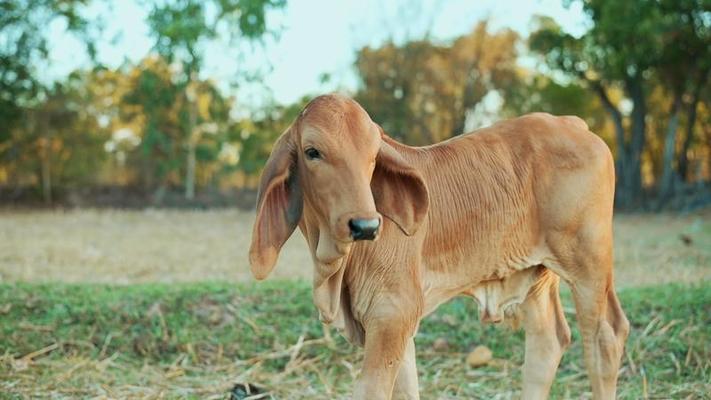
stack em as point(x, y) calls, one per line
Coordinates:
point(423, 92)
point(61, 142)
point(27, 105)
point(537, 92)
point(256, 134)
point(157, 103)
point(154, 111)
point(619, 53)
point(180, 27)
point(683, 69)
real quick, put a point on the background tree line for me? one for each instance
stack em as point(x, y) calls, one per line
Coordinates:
point(639, 77)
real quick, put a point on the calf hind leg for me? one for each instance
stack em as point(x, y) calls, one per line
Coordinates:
point(604, 329)
point(547, 336)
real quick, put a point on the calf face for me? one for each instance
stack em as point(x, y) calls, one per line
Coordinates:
point(333, 174)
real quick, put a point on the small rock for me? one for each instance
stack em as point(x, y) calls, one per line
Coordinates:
point(440, 344)
point(481, 355)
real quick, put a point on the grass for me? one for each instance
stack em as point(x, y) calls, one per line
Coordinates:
point(196, 340)
point(109, 304)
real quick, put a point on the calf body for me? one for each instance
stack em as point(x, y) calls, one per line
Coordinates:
point(500, 214)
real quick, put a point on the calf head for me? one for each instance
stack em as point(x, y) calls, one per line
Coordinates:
point(333, 174)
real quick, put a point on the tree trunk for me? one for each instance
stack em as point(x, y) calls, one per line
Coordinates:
point(667, 184)
point(683, 167)
point(633, 169)
point(190, 171)
point(469, 101)
point(623, 197)
point(190, 165)
point(46, 159)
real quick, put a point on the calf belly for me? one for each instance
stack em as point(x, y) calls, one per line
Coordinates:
point(499, 299)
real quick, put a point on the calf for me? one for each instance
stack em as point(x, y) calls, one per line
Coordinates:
point(500, 214)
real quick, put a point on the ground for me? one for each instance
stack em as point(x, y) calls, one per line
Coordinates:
point(168, 246)
point(159, 304)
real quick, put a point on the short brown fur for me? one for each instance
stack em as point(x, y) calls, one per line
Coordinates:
point(498, 214)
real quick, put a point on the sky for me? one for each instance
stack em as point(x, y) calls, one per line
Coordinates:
point(316, 37)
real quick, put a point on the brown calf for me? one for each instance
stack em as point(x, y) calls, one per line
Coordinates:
point(499, 214)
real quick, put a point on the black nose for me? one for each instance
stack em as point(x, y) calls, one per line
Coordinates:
point(364, 229)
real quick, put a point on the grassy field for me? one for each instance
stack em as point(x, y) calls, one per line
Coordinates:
point(118, 304)
point(197, 340)
point(121, 247)
point(134, 246)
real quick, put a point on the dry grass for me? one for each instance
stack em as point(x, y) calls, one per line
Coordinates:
point(123, 247)
point(663, 248)
point(111, 246)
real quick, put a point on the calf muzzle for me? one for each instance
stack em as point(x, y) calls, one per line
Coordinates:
point(364, 229)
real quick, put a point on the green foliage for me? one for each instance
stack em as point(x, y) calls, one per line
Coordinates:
point(178, 27)
point(80, 139)
point(23, 49)
point(156, 96)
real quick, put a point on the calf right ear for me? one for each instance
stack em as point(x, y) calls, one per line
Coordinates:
point(279, 206)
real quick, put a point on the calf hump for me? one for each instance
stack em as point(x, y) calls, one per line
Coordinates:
point(575, 121)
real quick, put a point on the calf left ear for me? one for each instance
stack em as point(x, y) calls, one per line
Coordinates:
point(399, 191)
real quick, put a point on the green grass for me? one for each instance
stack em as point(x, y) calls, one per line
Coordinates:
point(196, 340)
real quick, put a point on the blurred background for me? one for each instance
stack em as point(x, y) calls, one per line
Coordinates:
point(133, 134)
point(142, 103)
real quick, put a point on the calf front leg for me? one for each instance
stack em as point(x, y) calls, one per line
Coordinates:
point(406, 383)
point(386, 347)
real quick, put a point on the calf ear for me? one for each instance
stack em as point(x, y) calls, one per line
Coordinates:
point(279, 206)
point(399, 191)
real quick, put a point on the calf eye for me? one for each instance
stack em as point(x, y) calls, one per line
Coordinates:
point(312, 154)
